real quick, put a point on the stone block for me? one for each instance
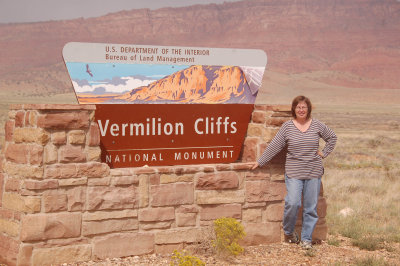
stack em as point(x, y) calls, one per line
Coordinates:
point(186, 219)
point(172, 194)
point(20, 203)
point(280, 158)
point(156, 214)
point(93, 154)
point(154, 179)
point(19, 118)
point(167, 248)
point(216, 181)
point(61, 171)
point(144, 170)
point(223, 167)
point(10, 228)
point(261, 190)
point(109, 226)
point(255, 130)
point(321, 190)
point(36, 154)
point(72, 182)
point(1, 186)
point(8, 250)
point(64, 120)
point(277, 172)
point(218, 211)
point(72, 154)
point(282, 114)
point(59, 138)
point(25, 255)
point(258, 117)
point(321, 207)
point(12, 184)
point(122, 245)
point(220, 197)
point(248, 205)
point(121, 172)
point(175, 236)
point(165, 169)
point(61, 255)
point(9, 130)
point(258, 174)
point(54, 201)
point(76, 137)
point(23, 171)
point(261, 233)
point(276, 121)
point(252, 215)
point(17, 153)
point(76, 199)
point(191, 169)
point(93, 169)
point(173, 178)
point(208, 169)
point(126, 180)
point(103, 181)
point(50, 226)
point(143, 191)
point(250, 149)
point(187, 209)
point(94, 135)
point(155, 225)
point(50, 154)
point(105, 215)
point(269, 133)
point(279, 108)
point(31, 135)
point(31, 118)
point(320, 232)
point(103, 198)
point(274, 212)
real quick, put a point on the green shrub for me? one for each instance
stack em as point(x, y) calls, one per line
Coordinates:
point(184, 259)
point(228, 232)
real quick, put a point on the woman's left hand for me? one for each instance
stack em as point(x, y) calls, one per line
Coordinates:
point(320, 154)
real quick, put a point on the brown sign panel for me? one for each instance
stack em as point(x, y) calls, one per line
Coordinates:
point(135, 135)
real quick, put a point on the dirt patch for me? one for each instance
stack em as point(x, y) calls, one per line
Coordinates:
point(276, 254)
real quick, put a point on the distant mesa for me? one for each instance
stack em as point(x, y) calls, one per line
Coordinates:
point(196, 84)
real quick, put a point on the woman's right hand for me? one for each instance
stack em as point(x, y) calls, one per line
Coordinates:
point(255, 165)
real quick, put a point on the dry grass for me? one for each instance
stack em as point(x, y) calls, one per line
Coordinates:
point(363, 174)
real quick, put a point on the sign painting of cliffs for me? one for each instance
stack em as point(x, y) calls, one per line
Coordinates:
point(119, 74)
point(159, 105)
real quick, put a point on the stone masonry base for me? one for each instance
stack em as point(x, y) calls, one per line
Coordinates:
point(59, 203)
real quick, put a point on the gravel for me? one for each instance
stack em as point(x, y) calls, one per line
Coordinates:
point(273, 254)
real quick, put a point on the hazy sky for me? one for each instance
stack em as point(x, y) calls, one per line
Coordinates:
point(44, 10)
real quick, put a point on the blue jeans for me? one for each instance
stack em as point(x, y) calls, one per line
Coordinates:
point(310, 190)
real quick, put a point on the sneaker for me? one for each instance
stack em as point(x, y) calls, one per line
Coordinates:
point(293, 238)
point(306, 245)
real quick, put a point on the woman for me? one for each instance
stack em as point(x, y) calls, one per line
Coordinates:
point(303, 168)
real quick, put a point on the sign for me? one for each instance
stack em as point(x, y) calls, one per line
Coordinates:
point(161, 105)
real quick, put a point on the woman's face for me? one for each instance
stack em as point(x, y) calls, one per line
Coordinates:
point(301, 110)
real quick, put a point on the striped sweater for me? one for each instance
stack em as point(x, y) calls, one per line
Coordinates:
point(302, 159)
